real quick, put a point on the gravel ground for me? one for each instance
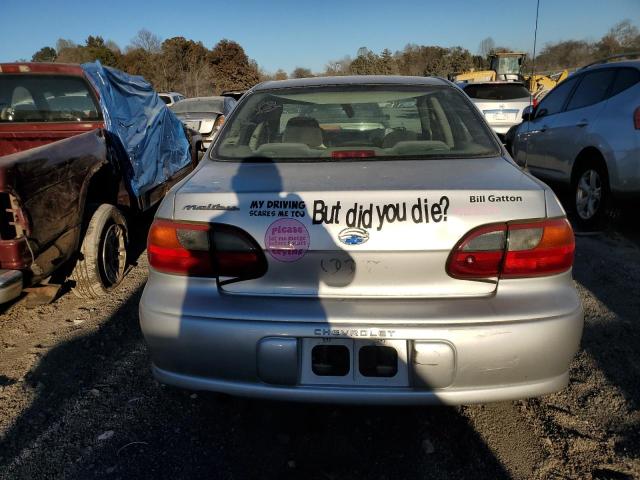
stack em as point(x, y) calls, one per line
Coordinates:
point(77, 401)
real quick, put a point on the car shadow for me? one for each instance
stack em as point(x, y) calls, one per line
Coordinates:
point(96, 412)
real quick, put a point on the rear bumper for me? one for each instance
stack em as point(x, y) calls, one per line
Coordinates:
point(10, 285)
point(364, 395)
point(14, 254)
point(202, 340)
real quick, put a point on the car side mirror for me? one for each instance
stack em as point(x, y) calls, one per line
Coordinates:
point(528, 113)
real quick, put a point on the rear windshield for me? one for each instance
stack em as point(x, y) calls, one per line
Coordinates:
point(498, 91)
point(46, 98)
point(351, 122)
point(204, 105)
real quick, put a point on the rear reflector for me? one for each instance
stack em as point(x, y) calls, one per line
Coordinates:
point(513, 250)
point(204, 250)
point(353, 154)
point(636, 118)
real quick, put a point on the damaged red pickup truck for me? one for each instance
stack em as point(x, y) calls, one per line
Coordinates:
point(64, 198)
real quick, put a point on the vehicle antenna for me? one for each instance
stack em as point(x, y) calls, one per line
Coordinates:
point(533, 73)
point(535, 42)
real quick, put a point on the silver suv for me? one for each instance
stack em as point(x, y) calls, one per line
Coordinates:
point(586, 133)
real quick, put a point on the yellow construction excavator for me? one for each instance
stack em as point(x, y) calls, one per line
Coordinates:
point(539, 85)
point(507, 66)
point(502, 66)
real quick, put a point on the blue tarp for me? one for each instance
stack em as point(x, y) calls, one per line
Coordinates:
point(151, 136)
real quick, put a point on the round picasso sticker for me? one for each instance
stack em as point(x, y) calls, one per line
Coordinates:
point(287, 240)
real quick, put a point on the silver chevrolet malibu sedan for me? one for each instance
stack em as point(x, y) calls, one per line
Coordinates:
point(361, 240)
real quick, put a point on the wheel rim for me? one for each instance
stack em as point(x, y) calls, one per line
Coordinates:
point(588, 194)
point(114, 254)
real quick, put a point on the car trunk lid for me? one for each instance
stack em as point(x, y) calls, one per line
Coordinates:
point(502, 111)
point(360, 229)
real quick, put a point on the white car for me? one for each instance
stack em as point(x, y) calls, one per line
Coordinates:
point(501, 103)
point(205, 115)
point(171, 97)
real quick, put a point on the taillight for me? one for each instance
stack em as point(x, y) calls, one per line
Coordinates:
point(217, 125)
point(512, 250)
point(204, 250)
point(636, 118)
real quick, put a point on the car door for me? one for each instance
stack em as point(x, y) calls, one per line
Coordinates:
point(567, 131)
point(534, 134)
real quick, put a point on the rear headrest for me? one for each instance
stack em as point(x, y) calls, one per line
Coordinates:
point(303, 130)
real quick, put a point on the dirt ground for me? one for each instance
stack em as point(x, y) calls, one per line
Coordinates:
point(77, 401)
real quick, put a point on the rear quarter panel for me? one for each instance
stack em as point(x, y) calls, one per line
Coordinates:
point(50, 183)
point(619, 141)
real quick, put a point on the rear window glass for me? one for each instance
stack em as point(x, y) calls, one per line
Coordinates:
point(556, 98)
point(166, 99)
point(592, 89)
point(204, 105)
point(358, 121)
point(625, 78)
point(498, 91)
point(46, 98)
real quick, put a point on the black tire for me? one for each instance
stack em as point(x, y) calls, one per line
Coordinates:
point(102, 259)
point(591, 195)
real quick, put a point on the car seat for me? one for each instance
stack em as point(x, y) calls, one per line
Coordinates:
point(303, 130)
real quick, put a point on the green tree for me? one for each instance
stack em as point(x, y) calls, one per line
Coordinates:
point(231, 68)
point(458, 60)
point(367, 64)
point(45, 54)
point(280, 75)
point(387, 64)
point(96, 49)
point(301, 72)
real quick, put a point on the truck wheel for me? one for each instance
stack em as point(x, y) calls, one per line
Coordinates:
point(591, 195)
point(103, 255)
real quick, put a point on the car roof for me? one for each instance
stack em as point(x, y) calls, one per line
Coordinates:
point(350, 80)
point(614, 64)
point(41, 67)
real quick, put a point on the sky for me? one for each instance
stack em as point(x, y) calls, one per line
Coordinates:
point(287, 34)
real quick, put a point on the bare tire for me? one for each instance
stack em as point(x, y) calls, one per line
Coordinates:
point(591, 195)
point(102, 259)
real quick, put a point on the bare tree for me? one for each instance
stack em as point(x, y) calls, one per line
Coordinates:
point(147, 41)
point(64, 43)
point(486, 46)
point(113, 46)
point(338, 67)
